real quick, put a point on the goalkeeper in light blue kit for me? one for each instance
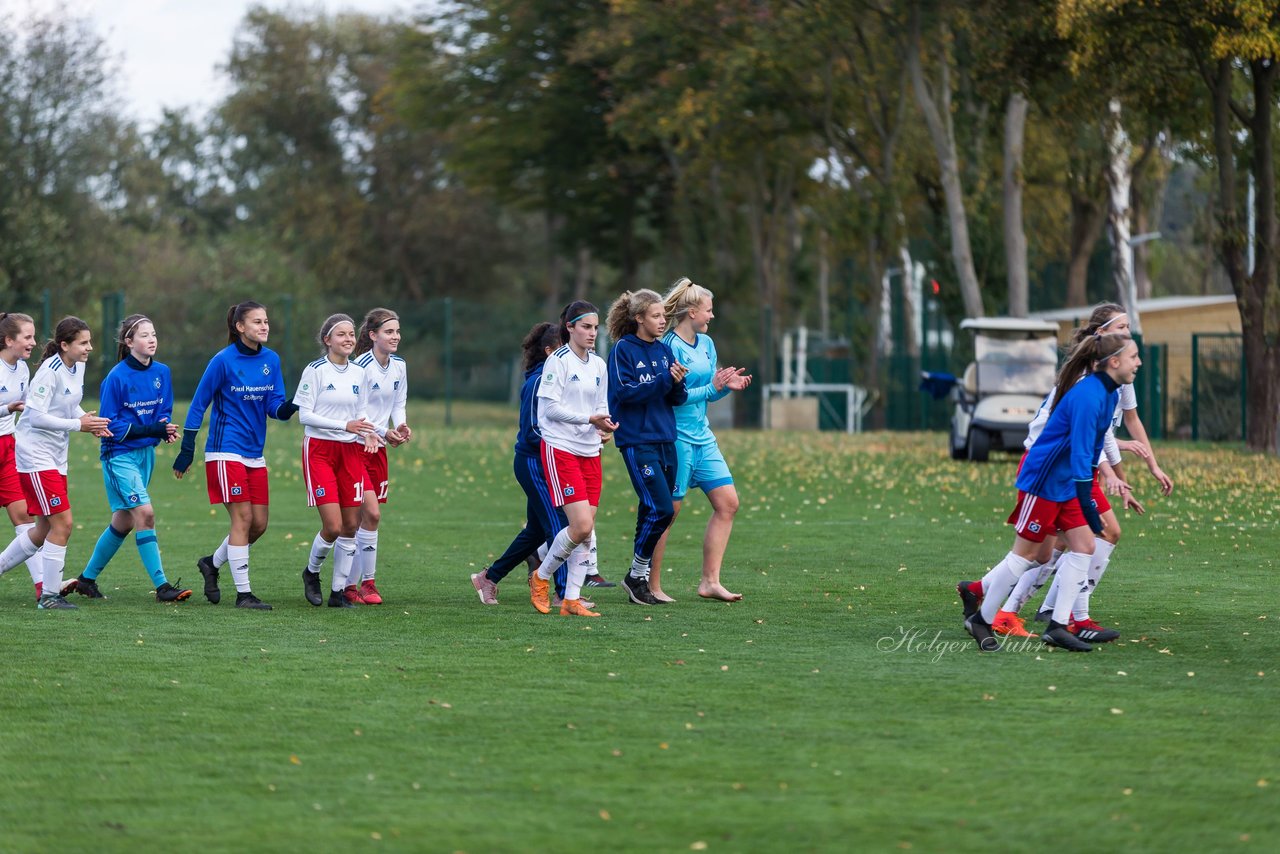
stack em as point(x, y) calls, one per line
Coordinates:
point(137, 397)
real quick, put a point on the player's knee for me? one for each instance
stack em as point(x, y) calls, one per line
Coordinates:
point(144, 518)
point(369, 518)
point(728, 506)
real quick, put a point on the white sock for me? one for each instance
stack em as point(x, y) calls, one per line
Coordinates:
point(320, 548)
point(366, 563)
point(1023, 589)
point(998, 583)
point(639, 567)
point(1101, 557)
point(1073, 571)
point(238, 557)
point(1051, 598)
point(344, 555)
point(542, 551)
point(578, 562)
point(54, 557)
point(33, 562)
point(18, 551)
point(561, 547)
point(220, 553)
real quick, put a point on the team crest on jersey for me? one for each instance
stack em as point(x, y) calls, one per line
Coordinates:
point(395, 386)
point(597, 382)
point(266, 370)
point(355, 389)
point(1035, 527)
point(235, 490)
point(157, 383)
point(568, 491)
point(319, 492)
point(56, 501)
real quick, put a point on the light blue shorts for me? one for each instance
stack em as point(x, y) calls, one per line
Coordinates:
point(126, 477)
point(702, 466)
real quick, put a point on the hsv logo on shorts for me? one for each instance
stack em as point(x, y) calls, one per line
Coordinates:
point(568, 490)
point(235, 490)
point(319, 492)
point(133, 499)
point(55, 501)
point(647, 471)
point(1035, 527)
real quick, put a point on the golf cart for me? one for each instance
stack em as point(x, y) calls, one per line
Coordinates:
point(1015, 361)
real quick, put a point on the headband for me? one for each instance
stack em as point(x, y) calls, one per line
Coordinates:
point(1111, 321)
point(1123, 347)
point(579, 317)
point(129, 331)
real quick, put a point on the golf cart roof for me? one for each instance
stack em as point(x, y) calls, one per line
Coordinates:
point(1009, 324)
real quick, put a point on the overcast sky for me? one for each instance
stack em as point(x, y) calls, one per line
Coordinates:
point(169, 49)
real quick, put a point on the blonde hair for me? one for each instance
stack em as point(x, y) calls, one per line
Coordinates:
point(625, 310)
point(683, 297)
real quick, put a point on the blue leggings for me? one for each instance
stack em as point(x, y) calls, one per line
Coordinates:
point(653, 470)
point(543, 520)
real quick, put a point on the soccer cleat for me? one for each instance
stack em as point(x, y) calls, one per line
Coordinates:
point(576, 608)
point(54, 602)
point(1045, 616)
point(596, 580)
point(170, 593)
point(485, 589)
point(311, 587)
point(352, 594)
point(1088, 630)
point(338, 600)
point(969, 600)
point(980, 630)
point(1057, 635)
point(369, 592)
point(210, 573)
point(86, 587)
point(638, 590)
point(248, 600)
point(538, 593)
point(1009, 623)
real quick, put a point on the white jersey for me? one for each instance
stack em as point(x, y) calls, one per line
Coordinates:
point(1110, 450)
point(53, 400)
point(13, 389)
point(571, 391)
point(329, 396)
point(388, 390)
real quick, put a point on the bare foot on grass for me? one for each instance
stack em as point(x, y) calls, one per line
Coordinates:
point(717, 591)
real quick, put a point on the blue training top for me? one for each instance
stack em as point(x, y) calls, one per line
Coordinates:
point(242, 388)
point(1071, 442)
point(138, 399)
point(528, 438)
point(642, 393)
point(700, 358)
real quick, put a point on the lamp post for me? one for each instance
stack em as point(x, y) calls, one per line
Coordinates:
point(1131, 284)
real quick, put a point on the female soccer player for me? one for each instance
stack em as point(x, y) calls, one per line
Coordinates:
point(242, 386)
point(375, 352)
point(137, 398)
point(646, 382)
point(17, 340)
point(573, 410)
point(52, 412)
point(1055, 487)
point(331, 400)
point(699, 462)
point(543, 519)
point(1107, 318)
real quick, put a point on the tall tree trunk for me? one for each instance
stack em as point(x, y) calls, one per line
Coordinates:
point(1015, 238)
point(1260, 311)
point(555, 265)
point(824, 285)
point(937, 118)
point(1119, 179)
point(582, 274)
point(1087, 218)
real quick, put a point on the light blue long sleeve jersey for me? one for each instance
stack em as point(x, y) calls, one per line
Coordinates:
point(692, 426)
point(241, 388)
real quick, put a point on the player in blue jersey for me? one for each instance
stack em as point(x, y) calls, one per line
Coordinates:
point(137, 397)
point(376, 346)
point(646, 382)
point(242, 386)
point(699, 462)
point(543, 519)
point(1055, 487)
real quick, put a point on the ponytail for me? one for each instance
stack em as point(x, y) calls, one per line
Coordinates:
point(682, 297)
point(125, 332)
point(535, 344)
point(625, 310)
point(1084, 360)
point(572, 312)
point(1103, 315)
point(236, 314)
point(372, 323)
point(65, 332)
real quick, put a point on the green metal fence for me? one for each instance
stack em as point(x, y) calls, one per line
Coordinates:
point(1217, 408)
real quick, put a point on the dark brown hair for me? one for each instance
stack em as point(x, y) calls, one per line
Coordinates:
point(67, 330)
point(571, 313)
point(535, 344)
point(1084, 360)
point(236, 314)
point(372, 323)
point(125, 332)
point(1103, 313)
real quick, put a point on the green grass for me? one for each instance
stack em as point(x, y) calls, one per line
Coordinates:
point(785, 722)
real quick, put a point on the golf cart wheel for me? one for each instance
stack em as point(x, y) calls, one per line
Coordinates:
point(979, 445)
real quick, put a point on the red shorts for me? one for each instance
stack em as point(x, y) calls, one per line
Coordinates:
point(45, 491)
point(1035, 518)
point(375, 466)
point(334, 472)
point(231, 482)
point(570, 477)
point(1099, 497)
point(10, 484)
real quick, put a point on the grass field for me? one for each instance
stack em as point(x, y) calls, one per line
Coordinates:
point(839, 707)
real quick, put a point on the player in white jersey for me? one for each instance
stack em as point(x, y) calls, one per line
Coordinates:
point(52, 412)
point(573, 415)
point(17, 340)
point(376, 346)
point(331, 406)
